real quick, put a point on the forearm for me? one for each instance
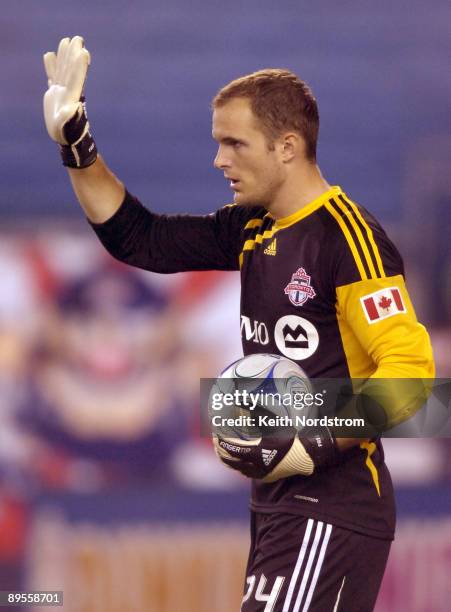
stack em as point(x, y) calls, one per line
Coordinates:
point(98, 190)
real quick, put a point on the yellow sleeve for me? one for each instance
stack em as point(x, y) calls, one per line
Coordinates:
point(383, 339)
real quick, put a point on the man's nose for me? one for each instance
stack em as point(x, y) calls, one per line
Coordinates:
point(220, 161)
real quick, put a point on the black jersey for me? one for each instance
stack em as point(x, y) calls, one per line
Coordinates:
point(323, 287)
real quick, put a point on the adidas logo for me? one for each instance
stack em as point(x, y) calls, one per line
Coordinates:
point(271, 249)
point(268, 455)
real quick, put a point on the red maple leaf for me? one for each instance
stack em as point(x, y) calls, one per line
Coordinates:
point(384, 302)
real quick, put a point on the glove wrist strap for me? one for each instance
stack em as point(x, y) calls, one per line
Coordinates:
point(80, 150)
point(321, 447)
point(80, 154)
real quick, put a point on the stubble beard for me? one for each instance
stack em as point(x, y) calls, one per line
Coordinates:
point(257, 200)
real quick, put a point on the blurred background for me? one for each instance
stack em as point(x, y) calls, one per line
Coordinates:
point(107, 490)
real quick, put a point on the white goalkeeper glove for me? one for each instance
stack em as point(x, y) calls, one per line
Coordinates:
point(272, 458)
point(64, 108)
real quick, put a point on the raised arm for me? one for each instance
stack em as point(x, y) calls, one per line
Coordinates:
point(128, 230)
point(98, 190)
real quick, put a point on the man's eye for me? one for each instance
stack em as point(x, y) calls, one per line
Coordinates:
point(237, 144)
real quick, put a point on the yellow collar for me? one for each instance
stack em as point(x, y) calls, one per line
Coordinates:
point(307, 209)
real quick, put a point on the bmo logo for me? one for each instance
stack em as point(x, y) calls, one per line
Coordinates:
point(255, 331)
point(295, 337)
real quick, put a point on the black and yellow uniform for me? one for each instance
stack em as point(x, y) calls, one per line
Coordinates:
point(312, 284)
point(323, 287)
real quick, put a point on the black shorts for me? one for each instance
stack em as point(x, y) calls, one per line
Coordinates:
point(297, 564)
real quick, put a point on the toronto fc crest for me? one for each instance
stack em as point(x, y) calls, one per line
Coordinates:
point(299, 289)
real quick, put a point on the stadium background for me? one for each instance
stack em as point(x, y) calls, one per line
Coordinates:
point(106, 490)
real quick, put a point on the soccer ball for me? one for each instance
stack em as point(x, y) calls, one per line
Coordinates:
point(258, 395)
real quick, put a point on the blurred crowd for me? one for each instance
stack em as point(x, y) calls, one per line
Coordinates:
point(99, 376)
point(99, 380)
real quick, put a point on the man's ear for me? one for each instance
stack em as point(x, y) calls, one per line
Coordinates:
point(291, 146)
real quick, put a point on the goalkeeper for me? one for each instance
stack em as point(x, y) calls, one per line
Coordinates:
point(325, 283)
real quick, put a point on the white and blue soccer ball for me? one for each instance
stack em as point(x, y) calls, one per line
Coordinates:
point(275, 388)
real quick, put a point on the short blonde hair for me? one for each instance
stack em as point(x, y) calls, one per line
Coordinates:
point(280, 101)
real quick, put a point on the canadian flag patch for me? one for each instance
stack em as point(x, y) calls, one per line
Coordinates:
point(382, 304)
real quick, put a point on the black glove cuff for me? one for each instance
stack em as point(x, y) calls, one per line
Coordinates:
point(321, 445)
point(80, 155)
point(81, 151)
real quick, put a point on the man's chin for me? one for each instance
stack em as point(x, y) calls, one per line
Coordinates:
point(242, 200)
